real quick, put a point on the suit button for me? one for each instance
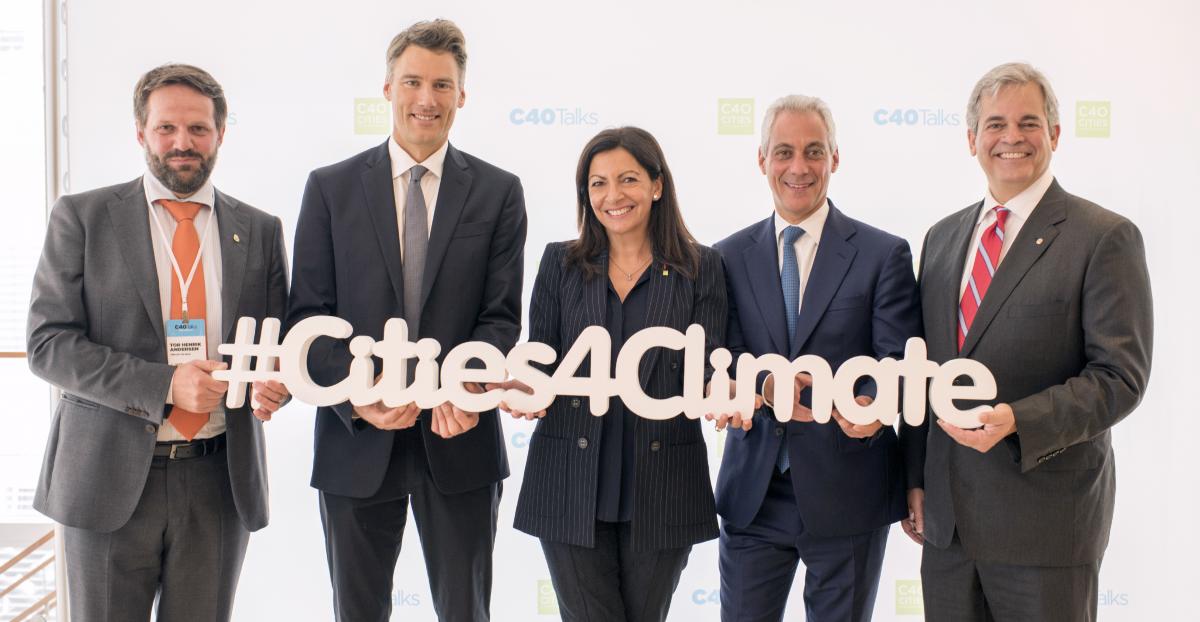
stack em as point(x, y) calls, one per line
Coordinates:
point(655, 445)
point(582, 442)
point(151, 429)
point(779, 431)
point(575, 404)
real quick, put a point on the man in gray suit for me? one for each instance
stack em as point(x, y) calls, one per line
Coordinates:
point(157, 485)
point(1051, 293)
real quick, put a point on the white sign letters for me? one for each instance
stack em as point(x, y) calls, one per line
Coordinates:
point(434, 384)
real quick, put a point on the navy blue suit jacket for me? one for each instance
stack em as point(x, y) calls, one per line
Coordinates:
point(861, 299)
point(348, 264)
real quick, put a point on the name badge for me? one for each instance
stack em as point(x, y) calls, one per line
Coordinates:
point(186, 341)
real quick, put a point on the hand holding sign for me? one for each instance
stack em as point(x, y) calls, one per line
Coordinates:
point(858, 430)
point(450, 420)
point(997, 424)
point(266, 397)
point(735, 420)
point(385, 418)
point(802, 381)
point(194, 388)
point(516, 385)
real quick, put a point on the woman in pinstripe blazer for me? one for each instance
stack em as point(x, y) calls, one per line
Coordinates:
point(618, 500)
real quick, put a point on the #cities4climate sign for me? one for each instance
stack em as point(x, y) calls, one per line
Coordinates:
point(435, 383)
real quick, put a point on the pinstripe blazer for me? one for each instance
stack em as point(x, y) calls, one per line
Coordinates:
point(673, 498)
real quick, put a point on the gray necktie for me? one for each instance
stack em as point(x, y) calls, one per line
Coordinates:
point(416, 238)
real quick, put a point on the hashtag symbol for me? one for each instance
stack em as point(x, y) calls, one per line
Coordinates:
point(265, 352)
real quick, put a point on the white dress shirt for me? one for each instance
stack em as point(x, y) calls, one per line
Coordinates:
point(210, 258)
point(1019, 209)
point(402, 164)
point(806, 245)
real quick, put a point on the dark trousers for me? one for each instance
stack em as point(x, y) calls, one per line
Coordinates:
point(959, 589)
point(612, 582)
point(184, 542)
point(458, 533)
point(758, 565)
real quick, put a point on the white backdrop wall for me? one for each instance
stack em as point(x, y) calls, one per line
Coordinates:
point(896, 75)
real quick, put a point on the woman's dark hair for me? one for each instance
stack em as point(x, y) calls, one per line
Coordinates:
point(670, 240)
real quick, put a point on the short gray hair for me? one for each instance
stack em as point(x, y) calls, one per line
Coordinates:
point(798, 103)
point(1010, 74)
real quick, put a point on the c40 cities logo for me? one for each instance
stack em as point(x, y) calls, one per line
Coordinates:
point(735, 116)
point(372, 115)
point(1093, 119)
point(547, 600)
point(908, 597)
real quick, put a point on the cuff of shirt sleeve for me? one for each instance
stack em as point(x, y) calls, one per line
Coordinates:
point(762, 390)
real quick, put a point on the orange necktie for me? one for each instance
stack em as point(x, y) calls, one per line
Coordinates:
point(185, 246)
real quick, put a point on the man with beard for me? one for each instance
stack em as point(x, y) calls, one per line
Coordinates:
point(156, 483)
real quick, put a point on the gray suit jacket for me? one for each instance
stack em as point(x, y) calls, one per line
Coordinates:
point(96, 331)
point(1066, 328)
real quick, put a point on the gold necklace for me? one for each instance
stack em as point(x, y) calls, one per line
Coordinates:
point(629, 275)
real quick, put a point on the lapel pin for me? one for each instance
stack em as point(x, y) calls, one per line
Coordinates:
point(238, 240)
point(1039, 242)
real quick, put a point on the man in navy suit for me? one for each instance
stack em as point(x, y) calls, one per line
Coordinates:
point(416, 229)
point(810, 280)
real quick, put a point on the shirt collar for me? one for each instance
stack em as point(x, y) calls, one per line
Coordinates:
point(156, 191)
point(401, 161)
point(1021, 205)
point(813, 225)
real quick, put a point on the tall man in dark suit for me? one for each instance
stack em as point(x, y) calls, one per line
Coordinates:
point(413, 229)
point(810, 280)
point(1051, 293)
point(156, 483)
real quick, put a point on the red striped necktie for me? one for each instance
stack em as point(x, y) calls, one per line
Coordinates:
point(987, 259)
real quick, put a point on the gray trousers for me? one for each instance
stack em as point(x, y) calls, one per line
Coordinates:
point(184, 543)
point(959, 589)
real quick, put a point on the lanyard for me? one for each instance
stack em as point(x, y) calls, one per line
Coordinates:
point(184, 285)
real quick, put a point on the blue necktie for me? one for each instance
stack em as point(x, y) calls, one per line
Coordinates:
point(789, 279)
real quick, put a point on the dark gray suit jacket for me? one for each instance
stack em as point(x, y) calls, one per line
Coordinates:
point(673, 497)
point(1066, 328)
point(96, 331)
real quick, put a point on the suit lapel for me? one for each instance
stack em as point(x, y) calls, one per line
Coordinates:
point(381, 203)
point(451, 198)
point(131, 220)
point(594, 311)
point(231, 222)
point(834, 256)
point(1037, 234)
point(762, 264)
point(595, 297)
point(659, 313)
point(946, 271)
